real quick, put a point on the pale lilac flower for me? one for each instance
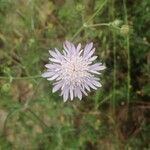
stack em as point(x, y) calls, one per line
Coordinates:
point(73, 70)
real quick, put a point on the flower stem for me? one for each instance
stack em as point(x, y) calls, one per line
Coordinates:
point(128, 54)
point(20, 78)
point(97, 25)
point(96, 12)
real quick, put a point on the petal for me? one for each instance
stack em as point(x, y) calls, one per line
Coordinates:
point(90, 53)
point(93, 71)
point(59, 54)
point(65, 94)
point(79, 94)
point(53, 54)
point(102, 67)
point(87, 87)
point(67, 44)
point(93, 58)
point(75, 92)
point(47, 74)
point(53, 66)
point(55, 60)
point(91, 85)
point(96, 83)
point(53, 77)
point(95, 66)
point(69, 47)
point(80, 52)
point(64, 52)
point(49, 66)
point(78, 47)
point(83, 91)
point(87, 48)
point(71, 93)
point(57, 87)
point(95, 78)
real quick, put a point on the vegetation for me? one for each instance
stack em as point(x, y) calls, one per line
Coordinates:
point(116, 116)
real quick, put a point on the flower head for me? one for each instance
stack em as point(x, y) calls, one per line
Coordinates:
point(73, 70)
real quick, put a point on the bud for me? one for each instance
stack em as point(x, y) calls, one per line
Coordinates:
point(5, 87)
point(31, 42)
point(125, 29)
point(50, 26)
point(79, 7)
point(116, 23)
point(97, 124)
point(85, 25)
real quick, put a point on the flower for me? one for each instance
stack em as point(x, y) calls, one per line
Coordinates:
point(73, 70)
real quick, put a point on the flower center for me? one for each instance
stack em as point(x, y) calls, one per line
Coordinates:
point(74, 70)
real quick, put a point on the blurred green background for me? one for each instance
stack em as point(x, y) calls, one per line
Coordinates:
point(116, 116)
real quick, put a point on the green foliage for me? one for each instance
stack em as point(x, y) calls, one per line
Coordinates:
point(32, 117)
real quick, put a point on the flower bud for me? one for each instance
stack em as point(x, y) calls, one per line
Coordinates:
point(125, 29)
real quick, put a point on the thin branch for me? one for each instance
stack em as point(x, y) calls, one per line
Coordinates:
point(20, 78)
point(96, 12)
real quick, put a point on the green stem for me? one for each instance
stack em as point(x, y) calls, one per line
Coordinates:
point(128, 54)
point(96, 12)
point(7, 118)
point(114, 59)
point(97, 25)
point(37, 117)
point(20, 78)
